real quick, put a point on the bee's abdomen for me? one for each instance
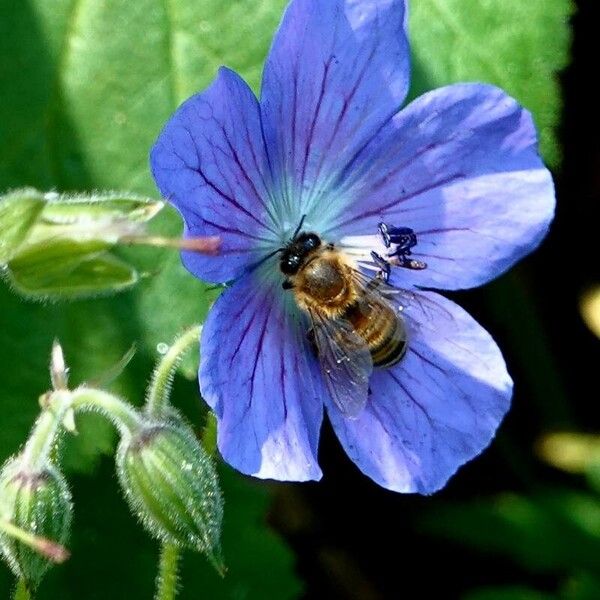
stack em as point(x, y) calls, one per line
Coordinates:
point(383, 331)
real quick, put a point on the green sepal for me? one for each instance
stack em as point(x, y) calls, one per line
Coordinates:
point(19, 211)
point(101, 206)
point(68, 269)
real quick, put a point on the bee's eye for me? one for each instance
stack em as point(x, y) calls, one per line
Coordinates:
point(311, 241)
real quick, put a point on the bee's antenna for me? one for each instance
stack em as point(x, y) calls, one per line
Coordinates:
point(257, 264)
point(282, 249)
point(299, 227)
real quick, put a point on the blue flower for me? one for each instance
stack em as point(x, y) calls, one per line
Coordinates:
point(452, 181)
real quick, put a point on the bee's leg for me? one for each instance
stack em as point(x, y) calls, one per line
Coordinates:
point(384, 267)
point(286, 284)
point(383, 230)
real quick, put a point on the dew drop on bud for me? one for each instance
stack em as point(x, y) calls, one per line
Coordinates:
point(162, 348)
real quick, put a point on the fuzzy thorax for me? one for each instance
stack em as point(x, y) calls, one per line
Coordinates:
point(325, 285)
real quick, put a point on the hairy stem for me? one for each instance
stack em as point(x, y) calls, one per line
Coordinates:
point(121, 413)
point(22, 591)
point(43, 436)
point(162, 378)
point(167, 579)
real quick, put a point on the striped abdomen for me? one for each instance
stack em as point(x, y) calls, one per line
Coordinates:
point(382, 329)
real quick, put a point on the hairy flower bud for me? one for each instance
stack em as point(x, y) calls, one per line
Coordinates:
point(37, 501)
point(171, 484)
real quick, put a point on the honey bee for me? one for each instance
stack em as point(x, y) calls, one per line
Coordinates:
point(356, 323)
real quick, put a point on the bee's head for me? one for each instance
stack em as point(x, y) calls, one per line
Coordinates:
point(296, 252)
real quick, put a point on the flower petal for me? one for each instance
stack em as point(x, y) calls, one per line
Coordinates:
point(210, 162)
point(337, 70)
point(258, 374)
point(460, 167)
point(435, 410)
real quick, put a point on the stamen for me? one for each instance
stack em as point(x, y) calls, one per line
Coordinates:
point(401, 240)
point(403, 237)
point(384, 266)
point(389, 247)
point(408, 263)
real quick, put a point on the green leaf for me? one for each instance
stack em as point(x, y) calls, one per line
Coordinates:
point(19, 212)
point(97, 97)
point(582, 586)
point(519, 46)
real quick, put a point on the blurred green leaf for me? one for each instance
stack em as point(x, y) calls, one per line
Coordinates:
point(570, 451)
point(578, 587)
point(582, 586)
point(19, 212)
point(101, 79)
point(553, 530)
point(519, 46)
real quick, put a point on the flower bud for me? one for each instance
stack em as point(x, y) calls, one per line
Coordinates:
point(39, 502)
point(171, 484)
point(61, 246)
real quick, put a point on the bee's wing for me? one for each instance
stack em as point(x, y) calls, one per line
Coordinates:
point(402, 301)
point(345, 361)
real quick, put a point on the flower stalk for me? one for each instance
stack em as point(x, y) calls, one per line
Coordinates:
point(22, 591)
point(45, 432)
point(167, 579)
point(160, 386)
point(122, 414)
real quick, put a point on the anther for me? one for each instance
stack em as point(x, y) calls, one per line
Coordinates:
point(402, 237)
point(383, 230)
point(400, 240)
